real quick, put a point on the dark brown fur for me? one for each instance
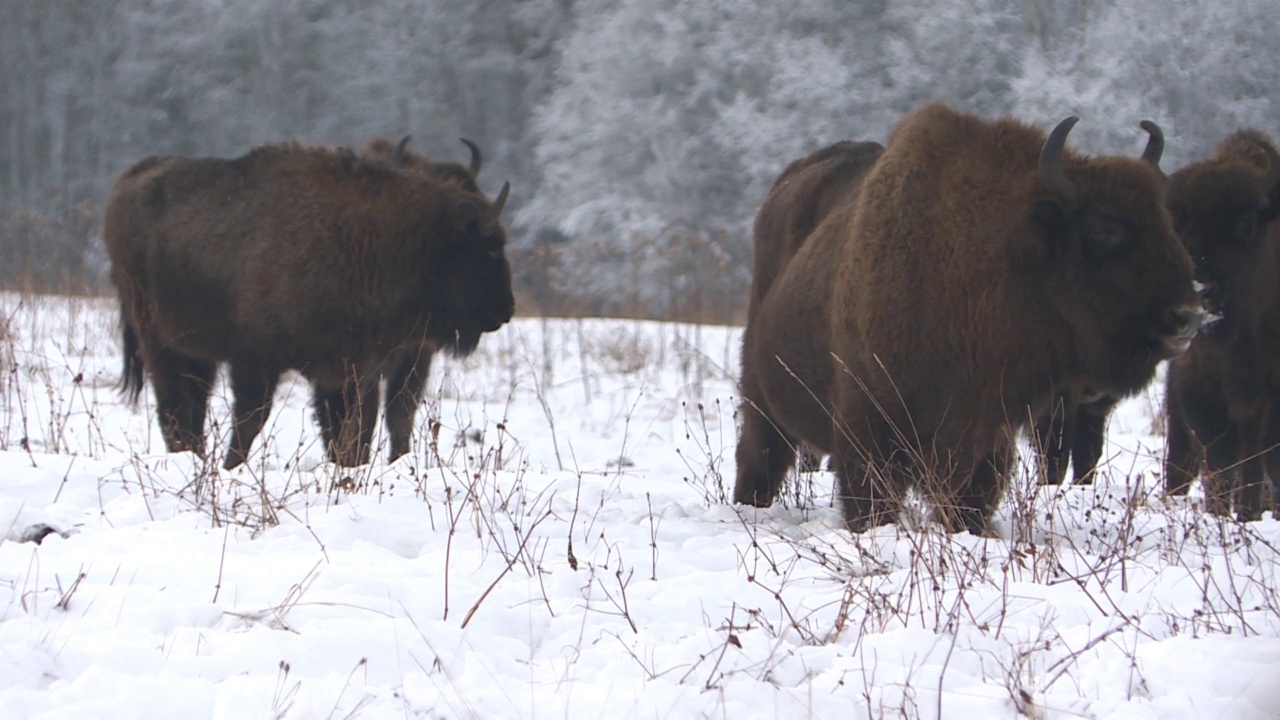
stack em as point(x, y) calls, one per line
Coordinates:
point(407, 372)
point(804, 194)
point(1223, 394)
point(1072, 432)
point(1078, 432)
point(933, 314)
point(294, 257)
point(398, 155)
point(799, 200)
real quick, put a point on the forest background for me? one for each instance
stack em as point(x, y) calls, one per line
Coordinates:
point(639, 136)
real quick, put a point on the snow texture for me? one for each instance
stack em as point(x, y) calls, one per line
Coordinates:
point(558, 544)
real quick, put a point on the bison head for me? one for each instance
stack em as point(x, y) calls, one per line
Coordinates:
point(401, 157)
point(471, 280)
point(1221, 209)
point(1115, 269)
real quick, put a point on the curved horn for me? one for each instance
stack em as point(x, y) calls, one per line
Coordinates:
point(1155, 143)
point(1051, 173)
point(474, 167)
point(501, 199)
point(1271, 179)
point(397, 155)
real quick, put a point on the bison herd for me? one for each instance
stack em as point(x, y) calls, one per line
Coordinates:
point(915, 306)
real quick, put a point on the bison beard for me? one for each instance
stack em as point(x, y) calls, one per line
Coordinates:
point(1222, 395)
point(977, 275)
point(305, 258)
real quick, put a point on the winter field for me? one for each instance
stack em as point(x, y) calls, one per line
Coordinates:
point(559, 545)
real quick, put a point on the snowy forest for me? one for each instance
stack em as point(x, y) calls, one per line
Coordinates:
point(639, 136)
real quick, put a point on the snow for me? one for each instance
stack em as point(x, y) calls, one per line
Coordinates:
point(564, 549)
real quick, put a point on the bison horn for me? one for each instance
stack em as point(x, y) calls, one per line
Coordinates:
point(1051, 173)
point(1155, 143)
point(501, 199)
point(397, 156)
point(474, 167)
point(1271, 180)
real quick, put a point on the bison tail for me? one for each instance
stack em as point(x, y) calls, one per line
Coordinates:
point(131, 376)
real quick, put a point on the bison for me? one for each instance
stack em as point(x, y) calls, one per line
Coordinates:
point(1223, 395)
point(294, 257)
point(978, 273)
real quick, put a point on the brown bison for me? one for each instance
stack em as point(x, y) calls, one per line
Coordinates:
point(291, 257)
point(979, 273)
point(1223, 395)
point(406, 374)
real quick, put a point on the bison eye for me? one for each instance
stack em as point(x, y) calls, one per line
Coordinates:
point(1105, 237)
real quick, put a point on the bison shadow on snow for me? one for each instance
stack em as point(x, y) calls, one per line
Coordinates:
point(345, 268)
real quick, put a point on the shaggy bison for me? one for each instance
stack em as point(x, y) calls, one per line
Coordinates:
point(979, 273)
point(1223, 395)
point(294, 257)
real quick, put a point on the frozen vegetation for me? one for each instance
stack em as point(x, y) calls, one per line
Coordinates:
point(558, 544)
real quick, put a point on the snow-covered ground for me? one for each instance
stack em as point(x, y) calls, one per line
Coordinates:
point(559, 545)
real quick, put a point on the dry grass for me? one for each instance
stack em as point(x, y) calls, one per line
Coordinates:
point(1103, 547)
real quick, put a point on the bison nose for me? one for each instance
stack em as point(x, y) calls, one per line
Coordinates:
point(501, 317)
point(1182, 323)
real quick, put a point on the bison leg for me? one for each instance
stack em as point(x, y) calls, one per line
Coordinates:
point(404, 394)
point(1273, 475)
point(1222, 475)
point(1183, 456)
point(981, 496)
point(182, 385)
point(1252, 476)
point(864, 490)
point(330, 407)
point(764, 455)
point(1090, 435)
point(254, 388)
point(366, 418)
point(865, 484)
point(347, 416)
point(1051, 441)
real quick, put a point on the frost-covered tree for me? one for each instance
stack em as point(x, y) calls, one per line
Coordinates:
point(669, 119)
point(964, 52)
point(1200, 69)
